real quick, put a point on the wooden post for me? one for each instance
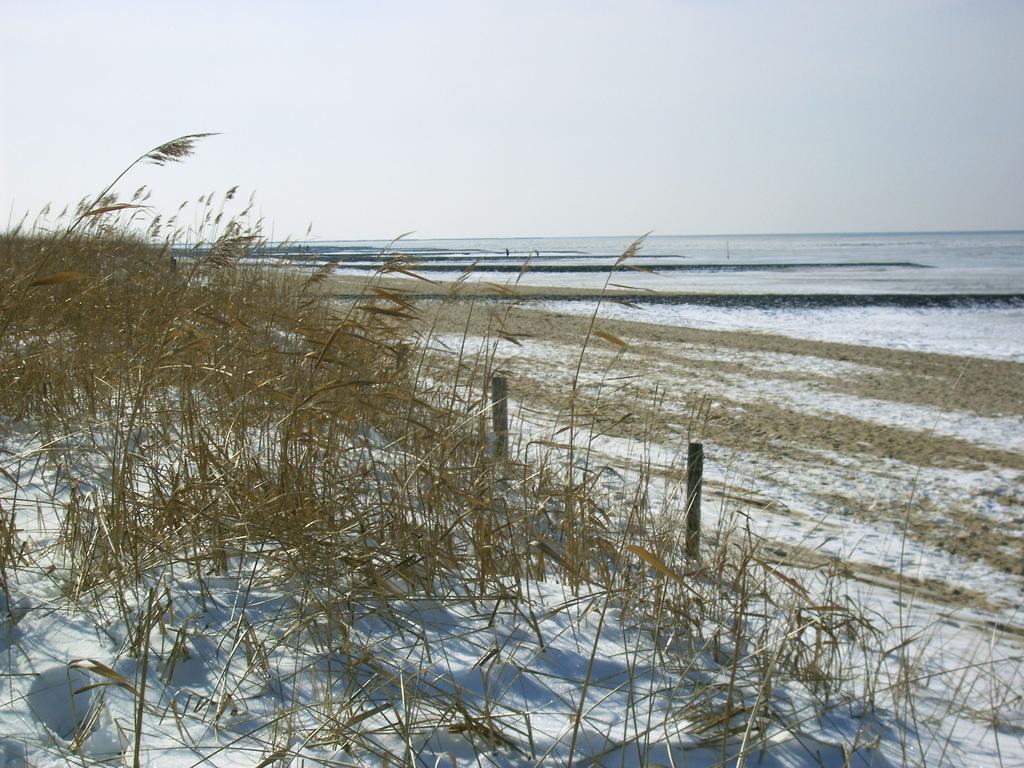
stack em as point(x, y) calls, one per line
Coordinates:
point(694, 480)
point(499, 411)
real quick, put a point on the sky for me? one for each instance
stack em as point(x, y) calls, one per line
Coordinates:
point(365, 120)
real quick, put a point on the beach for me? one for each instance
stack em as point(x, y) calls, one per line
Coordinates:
point(572, 384)
point(859, 548)
point(903, 466)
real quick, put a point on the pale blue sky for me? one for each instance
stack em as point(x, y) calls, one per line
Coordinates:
point(369, 119)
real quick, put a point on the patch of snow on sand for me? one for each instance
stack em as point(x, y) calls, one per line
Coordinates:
point(780, 362)
point(998, 433)
point(973, 332)
point(965, 651)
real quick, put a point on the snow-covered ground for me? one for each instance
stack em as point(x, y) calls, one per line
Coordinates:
point(233, 667)
point(965, 653)
point(995, 332)
point(236, 674)
point(249, 667)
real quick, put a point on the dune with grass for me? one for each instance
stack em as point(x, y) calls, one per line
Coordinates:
point(250, 516)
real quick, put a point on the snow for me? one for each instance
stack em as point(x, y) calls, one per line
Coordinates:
point(226, 668)
point(989, 332)
point(969, 656)
point(234, 666)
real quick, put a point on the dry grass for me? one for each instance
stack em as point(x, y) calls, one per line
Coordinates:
point(207, 420)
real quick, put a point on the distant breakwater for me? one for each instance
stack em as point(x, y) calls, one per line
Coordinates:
point(481, 267)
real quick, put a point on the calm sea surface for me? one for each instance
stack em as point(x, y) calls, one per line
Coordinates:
point(936, 264)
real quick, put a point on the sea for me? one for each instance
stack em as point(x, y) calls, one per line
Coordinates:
point(956, 293)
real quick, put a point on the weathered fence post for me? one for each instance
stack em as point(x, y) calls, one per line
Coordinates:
point(499, 412)
point(694, 480)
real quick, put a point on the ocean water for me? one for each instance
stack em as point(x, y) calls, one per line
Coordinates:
point(957, 263)
point(951, 292)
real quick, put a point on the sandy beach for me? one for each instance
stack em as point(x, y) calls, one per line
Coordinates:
point(822, 442)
